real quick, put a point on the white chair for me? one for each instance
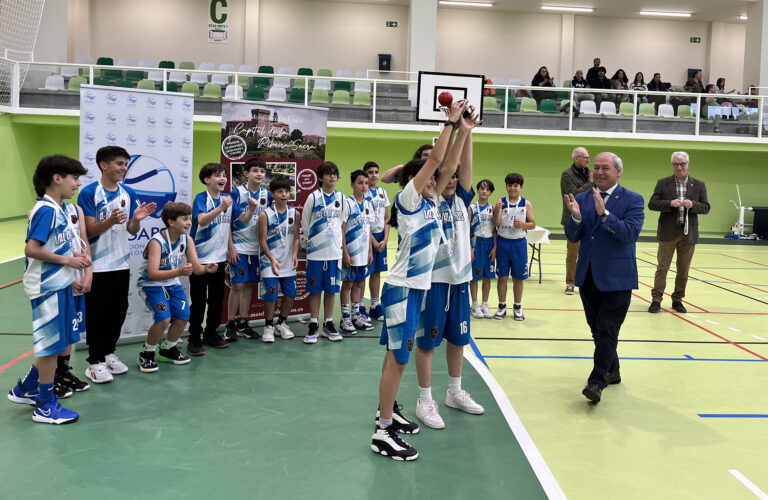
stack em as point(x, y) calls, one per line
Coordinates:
point(207, 66)
point(176, 76)
point(360, 74)
point(607, 108)
point(344, 73)
point(322, 84)
point(276, 94)
point(223, 80)
point(362, 86)
point(233, 92)
point(69, 71)
point(202, 78)
point(497, 80)
point(83, 60)
point(146, 63)
point(412, 96)
point(155, 76)
point(284, 83)
point(54, 82)
point(587, 108)
point(285, 70)
point(246, 68)
point(124, 61)
point(665, 110)
point(515, 81)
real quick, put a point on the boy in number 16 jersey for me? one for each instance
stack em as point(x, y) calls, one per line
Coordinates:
point(380, 231)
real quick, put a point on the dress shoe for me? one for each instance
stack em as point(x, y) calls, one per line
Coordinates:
point(654, 307)
point(679, 307)
point(614, 377)
point(592, 392)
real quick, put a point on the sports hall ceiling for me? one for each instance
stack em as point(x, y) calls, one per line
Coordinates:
point(703, 10)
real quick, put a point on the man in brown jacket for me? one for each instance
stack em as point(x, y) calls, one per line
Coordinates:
point(680, 199)
point(575, 180)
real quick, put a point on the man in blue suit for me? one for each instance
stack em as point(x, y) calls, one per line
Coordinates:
point(606, 220)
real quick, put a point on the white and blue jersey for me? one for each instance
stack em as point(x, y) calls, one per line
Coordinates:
point(453, 263)
point(482, 221)
point(57, 228)
point(245, 236)
point(110, 250)
point(280, 231)
point(212, 240)
point(358, 230)
point(509, 213)
point(379, 203)
point(321, 223)
point(172, 256)
point(419, 237)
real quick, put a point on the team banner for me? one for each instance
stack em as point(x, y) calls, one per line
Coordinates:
point(156, 129)
point(291, 140)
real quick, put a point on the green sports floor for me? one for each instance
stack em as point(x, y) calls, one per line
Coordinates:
point(287, 420)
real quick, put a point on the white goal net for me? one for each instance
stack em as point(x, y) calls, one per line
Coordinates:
point(19, 25)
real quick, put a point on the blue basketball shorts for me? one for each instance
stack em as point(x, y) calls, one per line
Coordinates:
point(512, 257)
point(54, 322)
point(483, 266)
point(354, 273)
point(269, 286)
point(445, 316)
point(245, 271)
point(166, 302)
point(80, 313)
point(402, 310)
point(323, 276)
point(379, 258)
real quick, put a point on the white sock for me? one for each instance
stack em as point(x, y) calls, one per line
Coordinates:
point(355, 308)
point(168, 344)
point(485, 302)
point(474, 303)
point(375, 302)
point(425, 393)
point(454, 385)
point(313, 320)
point(327, 320)
point(344, 308)
point(149, 348)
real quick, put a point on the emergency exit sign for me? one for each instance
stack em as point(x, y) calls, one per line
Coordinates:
point(695, 39)
point(391, 24)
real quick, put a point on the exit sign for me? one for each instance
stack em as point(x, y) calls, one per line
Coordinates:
point(695, 39)
point(391, 24)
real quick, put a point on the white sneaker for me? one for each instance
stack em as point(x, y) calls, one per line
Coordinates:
point(345, 325)
point(115, 366)
point(487, 314)
point(517, 313)
point(269, 334)
point(477, 311)
point(284, 331)
point(98, 373)
point(464, 402)
point(501, 313)
point(426, 411)
point(358, 321)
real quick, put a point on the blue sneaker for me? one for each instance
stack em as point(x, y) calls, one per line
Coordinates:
point(53, 413)
point(345, 325)
point(23, 396)
point(377, 313)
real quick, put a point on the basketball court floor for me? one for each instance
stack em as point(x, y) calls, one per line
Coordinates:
point(288, 420)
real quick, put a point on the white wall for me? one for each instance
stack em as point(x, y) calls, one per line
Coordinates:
point(728, 41)
point(51, 44)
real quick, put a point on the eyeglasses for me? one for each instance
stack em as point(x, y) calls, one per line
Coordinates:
point(583, 156)
point(681, 164)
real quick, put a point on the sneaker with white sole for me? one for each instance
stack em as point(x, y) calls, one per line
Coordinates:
point(362, 323)
point(98, 373)
point(517, 313)
point(52, 412)
point(23, 396)
point(329, 332)
point(386, 442)
point(426, 411)
point(487, 314)
point(345, 325)
point(284, 331)
point(477, 312)
point(311, 336)
point(147, 362)
point(114, 365)
point(569, 290)
point(60, 390)
point(269, 334)
point(501, 313)
point(68, 379)
point(464, 402)
point(401, 424)
point(377, 313)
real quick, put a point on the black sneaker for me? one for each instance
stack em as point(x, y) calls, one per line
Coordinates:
point(330, 332)
point(215, 341)
point(401, 424)
point(60, 390)
point(172, 355)
point(195, 347)
point(386, 442)
point(231, 332)
point(244, 329)
point(146, 362)
point(68, 379)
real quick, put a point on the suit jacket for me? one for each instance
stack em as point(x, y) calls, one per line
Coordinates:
point(571, 183)
point(608, 247)
point(666, 191)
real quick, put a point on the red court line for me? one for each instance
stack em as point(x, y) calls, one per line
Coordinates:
point(11, 283)
point(732, 281)
point(668, 295)
point(708, 331)
point(13, 362)
point(745, 260)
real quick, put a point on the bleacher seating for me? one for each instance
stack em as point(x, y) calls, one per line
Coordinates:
point(297, 95)
point(192, 88)
point(276, 94)
point(212, 91)
point(607, 108)
point(340, 97)
point(255, 93)
point(146, 85)
point(647, 110)
point(233, 91)
point(74, 83)
point(319, 96)
point(588, 108)
point(54, 82)
point(362, 98)
point(528, 105)
point(666, 110)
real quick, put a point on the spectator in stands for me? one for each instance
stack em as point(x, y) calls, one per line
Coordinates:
point(676, 101)
point(600, 82)
point(619, 82)
point(592, 72)
point(578, 82)
point(656, 85)
point(639, 84)
point(542, 78)
point(708, 101)
point(720, 87)
point(697, 85)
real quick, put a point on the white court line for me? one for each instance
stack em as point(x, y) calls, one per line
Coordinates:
point(539, 466)
point(758, 338)
point(712, 322)
point(691, 315)
point(734, 329)
point(749, 484)
point(11, 260)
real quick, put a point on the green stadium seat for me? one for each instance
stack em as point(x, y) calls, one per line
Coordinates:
point(146, 85)
point(305, 72)
point(567, 83)
point(684, 111)
point(112, 74)
point(186, 65)
point(646, 109)
point(297, 95)
point(167, 65)
point(362, 98)
point(528, 105)
point(260, 81)
point(266, 69)
point(511, 105)
point(490, 104)
point(105, 61)
point(125, 83)
point(192, 88)
point(626, 109)
point(299, 83)
point(212, 91)
point(171, 87)
point(324, 72)
point(134, 75)
point(255, 93)
point(319, 96)
point(548, 106)
point(74, 83)
point(243, 80)
point(100, 80)
point(341, 97)
point(342, 85)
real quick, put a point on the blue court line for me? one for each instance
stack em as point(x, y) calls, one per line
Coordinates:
point(733, 415)
point(685, 357)
point(477, 352)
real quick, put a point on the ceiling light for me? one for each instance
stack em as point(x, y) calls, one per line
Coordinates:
point(743, 18)
point(567, 9)
point(466, 4)
point(668, 14)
